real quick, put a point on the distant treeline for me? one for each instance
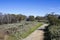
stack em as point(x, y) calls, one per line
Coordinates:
point(13, 18)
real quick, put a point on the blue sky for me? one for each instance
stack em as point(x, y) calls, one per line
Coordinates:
point(30, 7)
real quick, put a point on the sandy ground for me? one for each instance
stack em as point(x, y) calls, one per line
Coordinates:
point(37, 34)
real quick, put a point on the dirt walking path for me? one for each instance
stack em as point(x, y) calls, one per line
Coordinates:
point(37, 34)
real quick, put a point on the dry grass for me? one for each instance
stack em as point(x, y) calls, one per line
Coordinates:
point(18, 31)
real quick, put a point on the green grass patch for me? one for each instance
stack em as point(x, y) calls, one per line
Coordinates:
point(12, 38)
point(24, 35)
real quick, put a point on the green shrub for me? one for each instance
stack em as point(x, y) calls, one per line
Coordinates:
point(55, 32)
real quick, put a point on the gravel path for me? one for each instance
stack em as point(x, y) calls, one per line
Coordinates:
point(37, 34)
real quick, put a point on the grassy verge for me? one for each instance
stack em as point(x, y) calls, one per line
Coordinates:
point(24, 35)
point(11, 38)
point(26, 30)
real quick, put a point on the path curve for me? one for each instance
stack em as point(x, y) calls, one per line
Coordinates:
point(37, 34)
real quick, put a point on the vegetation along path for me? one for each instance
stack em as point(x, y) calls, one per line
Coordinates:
point(37, 34)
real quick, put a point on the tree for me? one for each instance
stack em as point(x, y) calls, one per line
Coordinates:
point(31, 18)
point(1, 18)
point(59, 17)
point(20, 17)
point(53, 19)
point(37, 18)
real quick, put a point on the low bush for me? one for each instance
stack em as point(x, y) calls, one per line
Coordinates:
point(55, 32)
